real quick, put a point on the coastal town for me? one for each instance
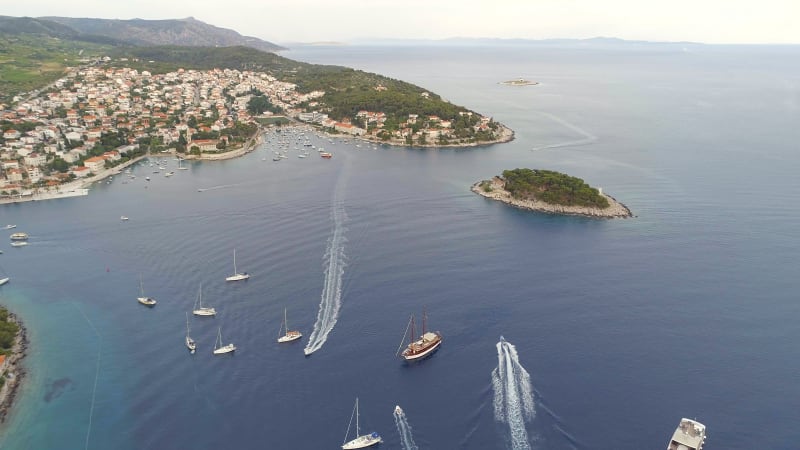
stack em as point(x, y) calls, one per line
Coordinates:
point(99, 117)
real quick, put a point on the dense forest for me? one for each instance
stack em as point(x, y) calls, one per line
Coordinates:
point(552, 187)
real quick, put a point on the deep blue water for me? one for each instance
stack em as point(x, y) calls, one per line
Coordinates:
point(688, 310)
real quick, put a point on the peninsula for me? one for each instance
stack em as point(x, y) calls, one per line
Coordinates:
point(550, 192)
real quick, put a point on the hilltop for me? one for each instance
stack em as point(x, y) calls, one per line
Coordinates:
point(188, 32)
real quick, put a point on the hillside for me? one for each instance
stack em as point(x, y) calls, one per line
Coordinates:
point(185, 32)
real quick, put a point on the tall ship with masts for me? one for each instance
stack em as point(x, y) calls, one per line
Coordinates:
point(426, 344)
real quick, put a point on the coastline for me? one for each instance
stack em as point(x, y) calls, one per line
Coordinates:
point(498, 193)
point(16, 370)
point(505, 134)
point(247, 147)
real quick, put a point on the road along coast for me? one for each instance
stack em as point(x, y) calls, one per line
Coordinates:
point(494, 189)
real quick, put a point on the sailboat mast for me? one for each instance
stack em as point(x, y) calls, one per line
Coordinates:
point(424, 320)
point(358, 431)
point(234, 262)
point(285, 324)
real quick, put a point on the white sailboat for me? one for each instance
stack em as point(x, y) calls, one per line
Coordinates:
point(143, 299)
point(236, 275)
point(180, 167)
point(363, 441)
point(199, 309)
point(220, 349)
point(288, 335)
point(190, 344)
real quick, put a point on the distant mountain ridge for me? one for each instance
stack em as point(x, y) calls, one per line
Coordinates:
point(184, 32)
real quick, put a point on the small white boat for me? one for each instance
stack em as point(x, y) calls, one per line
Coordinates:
point(190, 344)
point(4, 280)
point(19, 236)
point(690, 435)
point(199, 309)
point(19, 244)
point(288, 336)
point(143, 299)
point(10, 227)
point(363, 441)
point(169, 174)
point(123, 218)
point(236, 275)
point(220, 349)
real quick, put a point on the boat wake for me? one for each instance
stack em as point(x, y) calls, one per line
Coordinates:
point(214, 188)
point(335, 262)
point(513, 396)
point(404, 430)
point(588, 138)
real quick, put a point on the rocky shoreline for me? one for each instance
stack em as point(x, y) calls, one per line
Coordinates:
point(14, 368)
point(498, 192)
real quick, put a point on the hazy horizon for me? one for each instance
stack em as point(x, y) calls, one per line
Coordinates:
point(710, 22)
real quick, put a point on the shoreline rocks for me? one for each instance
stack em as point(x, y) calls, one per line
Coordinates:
point(498, 192)
point(13, 366)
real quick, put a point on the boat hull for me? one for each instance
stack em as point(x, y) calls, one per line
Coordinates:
point(289, 337)
point(238, 277)
point(420, 355)
point(362, 442)
point(225, 349)
point(4, 280)
point(205, 312)
point(146, 301)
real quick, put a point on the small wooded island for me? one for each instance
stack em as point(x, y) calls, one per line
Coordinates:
point(550, 192)
point(519, 82)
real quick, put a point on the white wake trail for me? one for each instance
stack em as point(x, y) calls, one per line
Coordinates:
point(588, 138)
point(335, 262)
point(513, 395)
point(404, 430)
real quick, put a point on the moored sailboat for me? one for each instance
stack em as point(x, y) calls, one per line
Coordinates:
point(288, 335)
point(362, 441)
point(199, 309)
point(425, 345)
point(190, 343)
point(143, 299)
point(236, 275)
point(220, 349)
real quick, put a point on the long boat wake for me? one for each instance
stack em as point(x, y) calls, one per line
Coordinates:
point(513, 396)
point(335, 262)
point(404, 430)
point(588, 138)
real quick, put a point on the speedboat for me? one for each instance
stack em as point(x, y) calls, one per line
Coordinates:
point(10, 227)
point(19, 236)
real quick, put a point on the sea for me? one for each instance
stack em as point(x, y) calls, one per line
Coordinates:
point(559, 332)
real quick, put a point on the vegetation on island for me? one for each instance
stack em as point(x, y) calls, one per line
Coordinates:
point(552, 187)
point(8, 332)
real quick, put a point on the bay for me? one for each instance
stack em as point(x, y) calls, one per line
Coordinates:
point(625, 326)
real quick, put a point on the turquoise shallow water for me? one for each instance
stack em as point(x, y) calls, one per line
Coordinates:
point(687, 310)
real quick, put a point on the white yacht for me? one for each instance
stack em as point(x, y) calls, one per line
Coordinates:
point(220, 349)
point(690, 435)
point(19, 236)
point(362, 441)
point(143, 299)
point(199, 309)
point(288, 335)
point(236, 275)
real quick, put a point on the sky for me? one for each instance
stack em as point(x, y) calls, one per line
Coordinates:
point(292, 21)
